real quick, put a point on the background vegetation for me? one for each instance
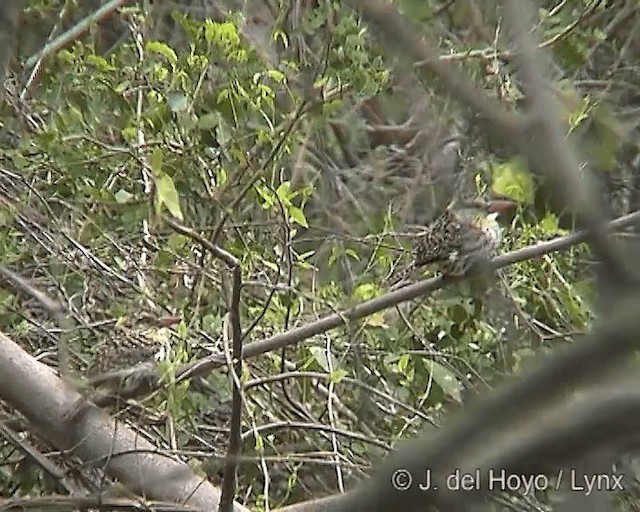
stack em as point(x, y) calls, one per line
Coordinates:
point(152, 161)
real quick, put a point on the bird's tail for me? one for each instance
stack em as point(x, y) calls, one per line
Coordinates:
point(503, 313)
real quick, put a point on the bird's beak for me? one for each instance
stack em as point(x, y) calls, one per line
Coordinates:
point(500, 206)
point(168, 321)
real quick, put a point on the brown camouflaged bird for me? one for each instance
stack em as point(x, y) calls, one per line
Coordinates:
point(130, 347)
point(465, 235)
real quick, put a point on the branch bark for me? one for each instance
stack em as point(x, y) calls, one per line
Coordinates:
point(34, 390)
point(298, 334)
point(392, 299)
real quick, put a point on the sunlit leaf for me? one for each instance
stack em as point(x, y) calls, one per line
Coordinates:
point(336, 376)
point(284, 192)
point(162, 49)
point(352, 254)
point(513, 181)
point(377, 320)
point(446, 380)
point(168, 195)
point(276, 75)
point(365, 291)
point(297, 216)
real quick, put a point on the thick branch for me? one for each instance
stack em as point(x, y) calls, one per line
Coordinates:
point(48, 402)
point(518, 429)
point(368, 308)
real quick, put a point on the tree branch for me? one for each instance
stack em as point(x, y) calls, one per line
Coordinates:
point(33, 389)
point(151, 382)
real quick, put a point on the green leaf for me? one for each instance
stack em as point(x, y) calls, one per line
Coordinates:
point(162, 49)
point(209, 121)
point(336, 376)
point(276, 75)
point(446, 380)
point(122, 196)
point(156, 161)
point(167, 195)
point(122, 265)
point(100, 63)
point(212, 323)
point(352, 254)
point(297, 216)
point(176, 241)
point(405, 367)
point(266, 195)
point(284, 192)
point(377, 320)
point(549, 225)
point(182, 329)
point(66, 57)
point(513, 181)
point(365, 291)
point(320, 356)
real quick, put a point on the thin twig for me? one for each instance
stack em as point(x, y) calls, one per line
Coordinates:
point(234, 449)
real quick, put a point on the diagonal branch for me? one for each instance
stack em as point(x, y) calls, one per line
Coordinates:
point(536, 134)
point(34, 390)
point(394, 298)
point(369, 308)
point(518, 429)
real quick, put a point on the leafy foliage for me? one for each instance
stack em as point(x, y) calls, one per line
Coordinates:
point(212, 135)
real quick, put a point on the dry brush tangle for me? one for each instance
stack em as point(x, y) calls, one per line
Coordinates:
point(150, 380)
point(562, 411)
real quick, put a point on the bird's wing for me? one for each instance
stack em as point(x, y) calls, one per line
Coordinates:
point(441, 238)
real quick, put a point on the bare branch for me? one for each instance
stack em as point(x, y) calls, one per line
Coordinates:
point(394, 298)
point(516, 429)
point(235, 443)
point(365, 309)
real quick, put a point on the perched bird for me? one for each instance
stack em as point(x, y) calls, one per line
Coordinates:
point(128, 348)
point(465, 236)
